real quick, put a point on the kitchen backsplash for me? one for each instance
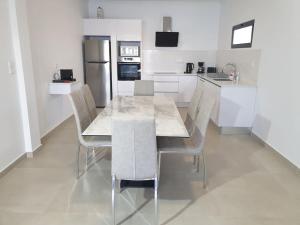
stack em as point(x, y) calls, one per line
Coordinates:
point(247, 61)
point(175, 60)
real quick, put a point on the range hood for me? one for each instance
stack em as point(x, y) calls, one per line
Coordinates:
point(167, 38)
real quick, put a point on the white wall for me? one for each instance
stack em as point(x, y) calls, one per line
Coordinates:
point(56, 39)
point(11, 135)
point(196, 22)
point(24, 70)
point(246, 61)
point(275, 34)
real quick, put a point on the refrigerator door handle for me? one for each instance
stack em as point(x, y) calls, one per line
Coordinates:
point(98, 62)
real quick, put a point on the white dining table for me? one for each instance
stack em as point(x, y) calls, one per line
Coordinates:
point(167, 117)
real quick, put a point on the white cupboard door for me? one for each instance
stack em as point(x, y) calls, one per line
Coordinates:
point(174, 96)
point(166, 87)
point(237, 107)
point(215, 91)
point(126, 88)
point(187, 87)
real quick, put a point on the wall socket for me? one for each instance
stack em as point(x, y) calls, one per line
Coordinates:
point(11, 68)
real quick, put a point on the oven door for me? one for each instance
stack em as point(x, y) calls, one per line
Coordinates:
point(129, 71)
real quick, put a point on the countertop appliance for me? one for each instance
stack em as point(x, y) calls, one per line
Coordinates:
point(201, 68)
point(97, 62)
point(129, 61)
point(189, 68)
point(211, 69)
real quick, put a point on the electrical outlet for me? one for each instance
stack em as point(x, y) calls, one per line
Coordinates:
point(11, 67)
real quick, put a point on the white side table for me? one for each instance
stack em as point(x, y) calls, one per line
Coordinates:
point(63, 88)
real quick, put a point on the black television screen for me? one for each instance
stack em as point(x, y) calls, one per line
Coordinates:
point(166, 39)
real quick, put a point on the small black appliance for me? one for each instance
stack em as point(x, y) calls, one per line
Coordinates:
point(189, 68)
point(201, 68)
point(66, 74)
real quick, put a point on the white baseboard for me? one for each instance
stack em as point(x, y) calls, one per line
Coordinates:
point(56, 125)
point(12, 164)
point(265, 143)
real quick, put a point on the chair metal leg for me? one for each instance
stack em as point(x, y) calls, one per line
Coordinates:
point(159, 162)
point(113, 199)
point(77, 160)
point(94, 152)
point(198, 164)
point(195, 160)
point(90, 158)
point(156, 200)
point(204, 170)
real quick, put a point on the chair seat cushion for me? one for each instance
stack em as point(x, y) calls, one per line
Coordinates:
point(96, 141)
point(177, 145)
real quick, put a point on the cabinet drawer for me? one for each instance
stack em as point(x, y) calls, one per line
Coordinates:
point(174, 96)
point(125, 86)
point(166, 87)
point(125, 93)
point(166, 78)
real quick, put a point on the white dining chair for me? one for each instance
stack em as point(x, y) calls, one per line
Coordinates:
point(193, 146)
point(144, 88)
point(83, 120)
point(193, 108)
point(134, 153)
point(90, 101)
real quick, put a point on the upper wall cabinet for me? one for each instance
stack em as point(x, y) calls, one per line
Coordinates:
point(124, 30)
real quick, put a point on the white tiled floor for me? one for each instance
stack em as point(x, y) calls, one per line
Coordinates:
point(248, 185)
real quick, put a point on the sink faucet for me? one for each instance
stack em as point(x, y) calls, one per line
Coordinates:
point(233, 72)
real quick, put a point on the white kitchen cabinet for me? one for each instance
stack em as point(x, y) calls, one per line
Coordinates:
point(166, 87)
point(123, 29)
point(180, 87)
point(187, 86)
point(235, 105)
point(126, 88)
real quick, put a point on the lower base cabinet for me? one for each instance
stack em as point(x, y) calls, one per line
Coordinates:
point(235, 105)
point(125, 88)
point(181, 88)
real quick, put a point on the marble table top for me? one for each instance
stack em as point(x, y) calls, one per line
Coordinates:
point(167, 118)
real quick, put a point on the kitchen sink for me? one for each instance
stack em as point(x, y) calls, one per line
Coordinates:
point(222, 79)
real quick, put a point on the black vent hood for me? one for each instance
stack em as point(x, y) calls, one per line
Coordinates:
point(167, 38)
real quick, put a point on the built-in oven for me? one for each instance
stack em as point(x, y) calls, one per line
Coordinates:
point(129, 68)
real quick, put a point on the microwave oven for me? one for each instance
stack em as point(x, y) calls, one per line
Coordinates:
point(129, 51)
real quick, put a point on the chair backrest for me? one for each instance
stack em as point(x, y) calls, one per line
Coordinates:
point(134, 149)
point(81, 113)
point(194, 105)
point(144, 88)
point(207, 103)
point(90, 101)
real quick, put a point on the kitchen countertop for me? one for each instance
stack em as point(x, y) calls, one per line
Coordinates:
point(241, 83)
point(169, 74)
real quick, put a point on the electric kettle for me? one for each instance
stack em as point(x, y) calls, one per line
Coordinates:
point(189, 67)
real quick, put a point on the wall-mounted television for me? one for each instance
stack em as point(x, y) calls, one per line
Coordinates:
point(166, 39)
point(242, 35)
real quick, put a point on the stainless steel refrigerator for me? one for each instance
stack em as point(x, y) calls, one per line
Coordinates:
point(97, 62)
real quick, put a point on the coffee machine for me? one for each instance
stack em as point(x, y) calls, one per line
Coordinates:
point(201, 68)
